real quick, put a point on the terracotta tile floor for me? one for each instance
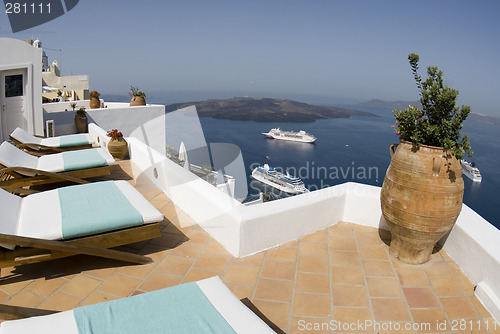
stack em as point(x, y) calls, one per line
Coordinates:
point(338, 280)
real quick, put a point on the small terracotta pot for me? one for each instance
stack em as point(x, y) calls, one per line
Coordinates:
point(138, 101)
point(118, 148)
point(95, 103)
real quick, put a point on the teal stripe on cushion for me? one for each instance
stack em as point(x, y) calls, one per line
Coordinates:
point(94, 208)
point(179, 309)
point(82, 159)
point(73, 140)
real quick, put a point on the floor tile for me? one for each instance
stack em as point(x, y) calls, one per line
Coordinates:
point(344, 259)
point(60, 301)
point(97, 297)
point(252, 260)
point(431, 320)
point(390, 309)
point(341, 229)
point(275, 311)
point(458, 307)
point(311, 305)
point(421, 297)
point(81, 286)
point(313, 249)
point(45, 287)
point(378, 268)
point(446, 287)
point(241, 275)
point(412, 277)
point(353, 320)
point(319, 236)
point(213, 262)
point(279, 270)
point(311, 264)
point(282, 254)
point(343, 243)
point(315, 283)
point(438, 269)
point(383, 287)
point(274, 290)
point(348, 275)
point(120, 285)
point(198, 274)
point(26, 298)
point(346, 295)
point(373, 252)
point(157, 281)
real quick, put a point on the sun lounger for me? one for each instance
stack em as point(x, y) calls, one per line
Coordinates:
point(39, 146)
point(205, 306)
point(80, 219)
point(18, 168)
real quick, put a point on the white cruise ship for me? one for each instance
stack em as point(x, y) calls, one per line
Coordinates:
point(286, 183)
point(471, 171)
point(300, 136)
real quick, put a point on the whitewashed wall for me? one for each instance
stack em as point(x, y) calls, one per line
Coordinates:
point(17, 54)
point(147, 123)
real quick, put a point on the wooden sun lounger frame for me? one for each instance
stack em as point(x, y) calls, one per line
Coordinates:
point(23, 176)
point(38, 150)
point(32, 250)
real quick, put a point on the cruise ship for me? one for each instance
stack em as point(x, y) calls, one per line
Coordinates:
point(300, 136)
point(471, 171)
point(286, 183)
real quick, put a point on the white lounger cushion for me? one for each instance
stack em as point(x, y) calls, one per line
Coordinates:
point(55, 162)
point(27, 138)
point(40, 214)
point(236, 314)
point(11, 156)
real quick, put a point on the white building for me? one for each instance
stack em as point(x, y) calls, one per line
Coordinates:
point(20, 87)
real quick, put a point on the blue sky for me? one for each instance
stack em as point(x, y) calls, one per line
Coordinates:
point(316, 51)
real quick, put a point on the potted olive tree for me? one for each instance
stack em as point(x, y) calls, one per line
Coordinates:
point(138, 97)
point(422, 192)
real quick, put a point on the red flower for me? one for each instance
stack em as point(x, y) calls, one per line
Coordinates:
point(115, 134)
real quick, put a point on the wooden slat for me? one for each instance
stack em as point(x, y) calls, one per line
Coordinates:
point(98, 242)
point(8, 312)
point(21, 176)
point(39, 150)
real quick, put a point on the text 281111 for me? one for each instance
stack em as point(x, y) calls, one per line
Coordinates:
point(27, 8)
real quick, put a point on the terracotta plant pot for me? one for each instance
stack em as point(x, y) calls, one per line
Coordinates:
point(138, 101)
point(421, 199)
point(81, 123)
point(118, 148)
point(95, 103)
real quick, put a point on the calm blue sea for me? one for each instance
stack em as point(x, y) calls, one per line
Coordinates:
point(353, 149)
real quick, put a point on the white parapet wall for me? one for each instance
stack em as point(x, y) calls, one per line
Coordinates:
point(474, 245)
point(147, 123)
point(245, 230)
